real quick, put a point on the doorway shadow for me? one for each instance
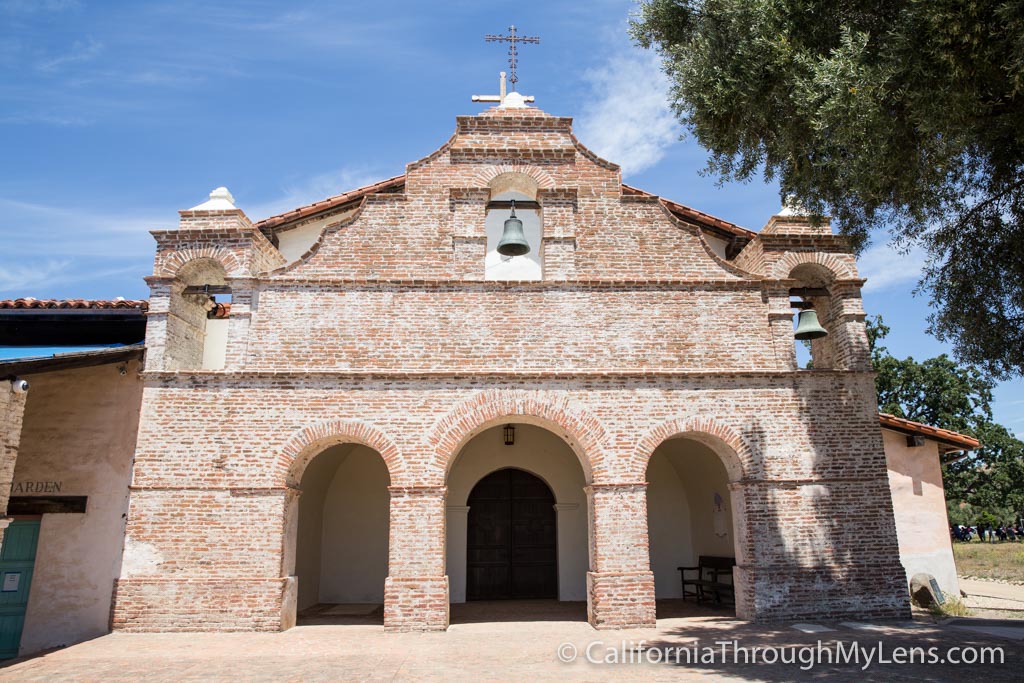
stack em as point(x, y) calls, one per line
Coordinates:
point(481, 611)
point(352, 614)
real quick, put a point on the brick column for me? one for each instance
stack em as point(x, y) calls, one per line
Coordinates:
point(846, 327)
point(239, 320)
point(620, 585)
point(780, 322)
point(416, 590)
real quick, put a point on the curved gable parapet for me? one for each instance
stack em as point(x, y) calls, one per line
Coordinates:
point(315, 247)
point(699, 234)
point(436, 154)
point(592, 156)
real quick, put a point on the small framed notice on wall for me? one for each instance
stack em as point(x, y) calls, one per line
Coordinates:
point(12, 580)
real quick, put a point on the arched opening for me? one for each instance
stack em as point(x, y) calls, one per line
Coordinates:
point(523, 190)
point(197, 322)
point(517, 527)
point(690, 522)
point(341, 536)
point(814, 281)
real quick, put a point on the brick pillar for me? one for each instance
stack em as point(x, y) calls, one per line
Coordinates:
point(780, 322)
point(416, 590)
point(846, 327)
point(743, 539)
point(239, 319)
point(620, 585)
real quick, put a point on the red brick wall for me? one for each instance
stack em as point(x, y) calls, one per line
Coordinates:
point(384, 334)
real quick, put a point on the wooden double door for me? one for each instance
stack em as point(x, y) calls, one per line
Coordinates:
point(511, 551)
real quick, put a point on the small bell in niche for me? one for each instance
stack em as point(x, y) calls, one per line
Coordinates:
point(513, 240)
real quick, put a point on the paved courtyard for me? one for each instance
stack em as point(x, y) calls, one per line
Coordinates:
point(526, 641)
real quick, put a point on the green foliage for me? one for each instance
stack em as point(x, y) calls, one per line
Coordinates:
point(898, 114)
point(944, 394)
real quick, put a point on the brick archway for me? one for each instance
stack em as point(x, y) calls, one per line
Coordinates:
point(311, 440)
point(784, 266)
point(730, 447)
point(170, 264)
point(581, 430)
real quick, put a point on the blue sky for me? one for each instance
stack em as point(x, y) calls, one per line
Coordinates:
point(114, 115)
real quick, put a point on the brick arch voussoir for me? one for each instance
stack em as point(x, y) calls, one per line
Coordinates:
point(174, 262)
point(584, 433)
point(784, 266)
point(543, 178)
point(738, 463)
point(311, 440)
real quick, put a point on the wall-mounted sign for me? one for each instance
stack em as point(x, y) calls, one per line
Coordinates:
point(36, 487)
point(11, 582)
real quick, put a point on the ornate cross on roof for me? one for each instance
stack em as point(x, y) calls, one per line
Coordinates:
point(512, 54)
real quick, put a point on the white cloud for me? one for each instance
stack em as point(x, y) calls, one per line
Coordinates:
point(627, 119)
point(885, 266)
point(80, 52)
point(26, 276)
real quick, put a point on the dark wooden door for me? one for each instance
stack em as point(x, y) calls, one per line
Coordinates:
point(511, 551)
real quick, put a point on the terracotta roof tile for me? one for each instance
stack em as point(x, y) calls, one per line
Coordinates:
point(81, 304)
point(687, 213)
point(944, 436)
point(389, 185)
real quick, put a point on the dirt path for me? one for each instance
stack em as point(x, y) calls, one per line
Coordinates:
point(993, 598)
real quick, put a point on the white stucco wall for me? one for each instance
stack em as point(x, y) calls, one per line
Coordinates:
point(683, 477)
point(543, 454)
point(919, 506)
point(308, 538)
point(215, 345)
point(79, 429)
point(294, 243)
point(354, 544)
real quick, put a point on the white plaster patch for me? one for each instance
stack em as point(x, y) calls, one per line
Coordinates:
point(140, 559)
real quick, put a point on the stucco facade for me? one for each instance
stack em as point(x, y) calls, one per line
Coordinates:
point(919, 503)
point(76, 439)
point(647, 325)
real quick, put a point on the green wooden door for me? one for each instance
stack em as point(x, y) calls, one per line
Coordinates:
point(17, 558)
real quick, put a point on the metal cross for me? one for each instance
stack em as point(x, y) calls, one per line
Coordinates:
point(512, 55)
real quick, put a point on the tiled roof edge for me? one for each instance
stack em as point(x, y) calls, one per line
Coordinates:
point(944, 436)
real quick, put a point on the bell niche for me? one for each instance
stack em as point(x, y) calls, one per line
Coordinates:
point(514, 230)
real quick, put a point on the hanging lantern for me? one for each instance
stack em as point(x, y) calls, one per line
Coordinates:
point(808, 326)
point(513, 240)
point(510, 435)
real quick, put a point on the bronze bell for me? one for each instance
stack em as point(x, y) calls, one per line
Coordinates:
point(513, 241)
point(808, 327)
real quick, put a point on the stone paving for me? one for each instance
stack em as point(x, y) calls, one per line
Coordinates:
point(524, 642)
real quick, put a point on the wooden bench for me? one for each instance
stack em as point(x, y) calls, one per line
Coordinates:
point(711, 573)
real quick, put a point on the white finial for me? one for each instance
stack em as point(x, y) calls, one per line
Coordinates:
point(513, 100)
point(791, 206)
point(220, 200)
point(518, 101)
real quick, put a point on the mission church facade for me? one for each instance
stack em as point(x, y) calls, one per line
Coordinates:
point(390, 411)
